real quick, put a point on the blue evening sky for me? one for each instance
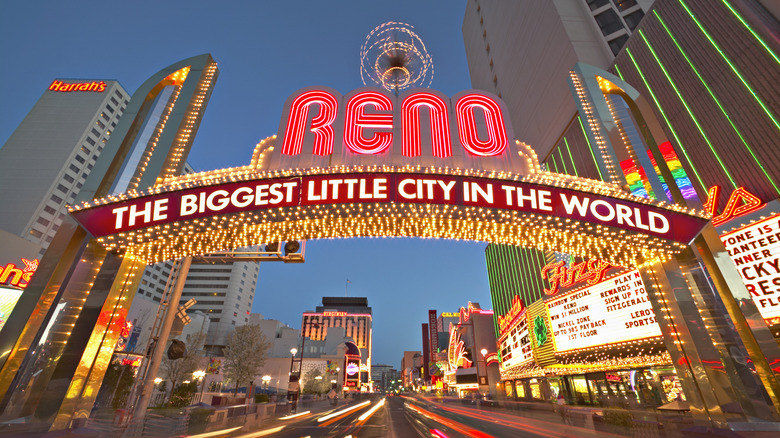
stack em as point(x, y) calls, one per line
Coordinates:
point(266, 50)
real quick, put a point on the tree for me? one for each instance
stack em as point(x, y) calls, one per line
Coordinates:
point(245, 354)
point(182, 369)
point(313, 385)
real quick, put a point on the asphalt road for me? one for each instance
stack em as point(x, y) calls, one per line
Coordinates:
point(408, 417)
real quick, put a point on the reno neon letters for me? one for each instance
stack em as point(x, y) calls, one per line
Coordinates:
point(368, 122)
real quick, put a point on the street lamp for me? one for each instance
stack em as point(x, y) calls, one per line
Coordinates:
point(200, 374)
point(484, 359)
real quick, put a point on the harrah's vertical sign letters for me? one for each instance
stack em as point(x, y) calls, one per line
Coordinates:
point(320, 128)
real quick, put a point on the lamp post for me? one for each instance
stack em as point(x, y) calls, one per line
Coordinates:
point(290, 393)
point(200, 374)
point(484, 360)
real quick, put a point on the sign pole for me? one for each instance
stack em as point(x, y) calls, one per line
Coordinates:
point(154, 364)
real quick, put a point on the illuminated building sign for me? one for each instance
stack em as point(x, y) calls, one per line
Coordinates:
point(8, 298)
point(385, 189)
point(13, 276)
point(741, 202)
point(614, 310)
point(370, 121)
point(433, 334)
point(334, 313)
point(591, 271)
point(352, 369)
point(506, 321)
point(755, 250)
point(78, 86)
point(515, 342)
point(450, 315)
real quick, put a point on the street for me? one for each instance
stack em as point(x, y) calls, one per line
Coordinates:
point(402, 417)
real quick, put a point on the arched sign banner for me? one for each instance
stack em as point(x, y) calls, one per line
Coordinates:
point(372, 164)
point(201, 202)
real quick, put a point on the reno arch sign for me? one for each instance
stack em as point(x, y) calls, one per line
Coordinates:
point(371, 164)
point(321, 128)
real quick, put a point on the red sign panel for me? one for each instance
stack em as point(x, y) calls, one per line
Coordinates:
point(379, 188)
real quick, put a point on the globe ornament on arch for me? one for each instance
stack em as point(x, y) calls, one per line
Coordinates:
point(394, 57)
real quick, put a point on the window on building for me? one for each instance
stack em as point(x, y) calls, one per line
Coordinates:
point(114, 101)
point(118, 94)
point(62, 188)
point(95, 132)
point(68, 178)
point(50, 210)
point(624, 4)
point(56, 199)
point(110, 109)
point(36, 233)
point(81, 159)
point(595, 4)
point(618, 44)
point(609, 22)
point(44, 222)
point(90, 141)
point(107, 118)
point(74, 168)
point(101, 124)
point(632, 20)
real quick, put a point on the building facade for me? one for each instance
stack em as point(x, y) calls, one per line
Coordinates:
point(47, 159)
point(701, 75)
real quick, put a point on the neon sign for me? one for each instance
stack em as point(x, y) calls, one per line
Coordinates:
point(505, 321)
point(352, 369)
point(370, 121)
point(79, 86)
point(450, 315)
point(741, 202)
point(334, 313)
point(591, 271)
point(16, 277)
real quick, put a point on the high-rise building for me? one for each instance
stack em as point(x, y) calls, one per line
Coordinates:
point(353, 315)
point(149, 142)
point(522, 52)
point(45, 162)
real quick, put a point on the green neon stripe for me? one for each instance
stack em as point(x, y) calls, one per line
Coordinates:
point(733, 68)
point(573, 164)
point(620, 74)
point(668, 123)
point(750, 29)
point(688, 109)
point(590, 148)
point(563, 162)
point(551, 161)
point(500, 278)
point(685, 55)
point(492, 281)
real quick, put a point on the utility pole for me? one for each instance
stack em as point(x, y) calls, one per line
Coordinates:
point(165, 331)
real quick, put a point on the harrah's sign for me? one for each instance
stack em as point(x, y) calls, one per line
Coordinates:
point(420, 126)
point(98, 87)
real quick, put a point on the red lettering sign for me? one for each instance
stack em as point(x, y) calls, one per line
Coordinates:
point(591, 271)
point(505, 322)
point(741, 202)
point(369, 121)
point(320, 124)
point(98, 87)
point(107, 218)
point(11, 275)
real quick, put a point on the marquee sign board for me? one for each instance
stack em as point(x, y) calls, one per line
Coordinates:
point(614, 310)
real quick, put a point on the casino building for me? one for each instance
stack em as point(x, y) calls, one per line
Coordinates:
point(708, 72)
point(353, 315)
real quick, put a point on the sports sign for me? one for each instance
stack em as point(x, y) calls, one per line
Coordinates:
point(615, 310)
